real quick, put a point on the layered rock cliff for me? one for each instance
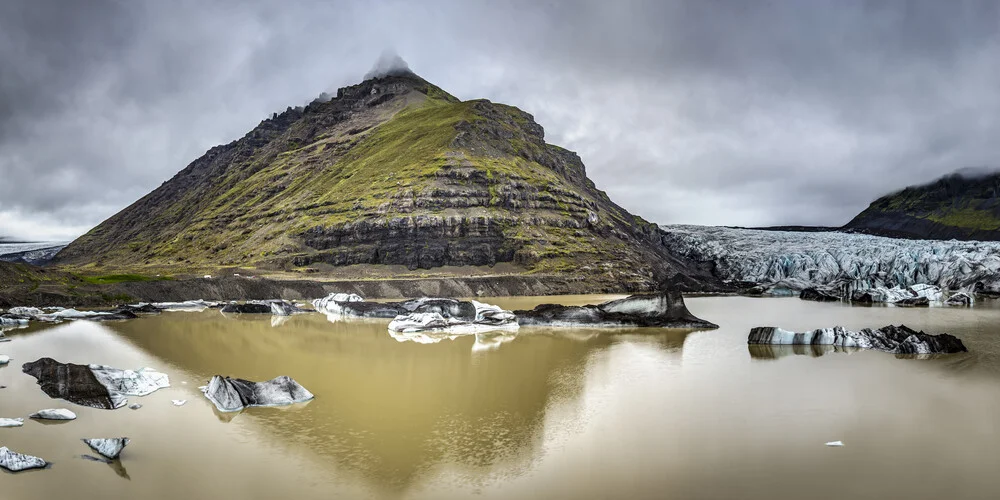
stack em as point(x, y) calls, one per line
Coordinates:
point(392, 171)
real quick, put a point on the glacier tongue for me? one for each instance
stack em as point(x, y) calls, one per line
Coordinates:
point(787, 261)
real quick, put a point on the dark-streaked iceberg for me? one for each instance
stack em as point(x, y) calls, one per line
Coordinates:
point(664, 309)
point(452, 316)
point(96, 386)
point(234, 394)
point(891, 339)
point(109, 448)
point(16, 462)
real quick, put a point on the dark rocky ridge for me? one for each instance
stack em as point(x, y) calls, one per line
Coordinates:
point(961, 207)
point(393, 171)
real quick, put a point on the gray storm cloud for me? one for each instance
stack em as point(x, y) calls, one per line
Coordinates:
point(711, 112)
point(388, 63)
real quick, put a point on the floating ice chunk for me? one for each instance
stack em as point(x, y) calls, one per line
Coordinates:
point(178, 402)
point(108, 447)
point(16, 462)
point(11, 422)
point(892, 339)
point(30, 312)
point(139, 382)
point(4, 359)
point(134, 406)
point(331, 303)
point(960, 299)
point(73, 382)
point(234, 394)
point(835, 443)
point(74, 314)
point(53, 414)
point(451, 317)
point(186, 306)
point(8, 321)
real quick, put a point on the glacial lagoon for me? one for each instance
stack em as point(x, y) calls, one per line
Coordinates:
point(543, 413)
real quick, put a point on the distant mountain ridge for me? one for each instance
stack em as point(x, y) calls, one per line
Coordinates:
point(964, 206)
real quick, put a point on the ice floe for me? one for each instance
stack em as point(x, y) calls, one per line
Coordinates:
point(96, 386)
point(11, 422)
point(53, 414)
point(234, 394)
point(891, 339)
point(665, 309)
point(16, 462)
point(109, 448)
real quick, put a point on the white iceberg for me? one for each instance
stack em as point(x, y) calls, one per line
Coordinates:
point(139, 382)
point(11, 422)
point(16, 462)
point(435, 315)
point(31, 312)
point(331, 303)
point(234, 394)
point(109, 448)
point(186, 306)
point(53, 414)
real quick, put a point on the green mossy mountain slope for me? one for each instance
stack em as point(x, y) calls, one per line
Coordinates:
point(962, 207)
point(392, 172)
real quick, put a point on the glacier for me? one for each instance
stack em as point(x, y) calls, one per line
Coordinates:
point(786, 262)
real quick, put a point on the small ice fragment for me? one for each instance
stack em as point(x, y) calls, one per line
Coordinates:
point(11, 422)
point(178, 402)
point(135, 406)
point(4, 359)
point(835, 443)
point(54, 414)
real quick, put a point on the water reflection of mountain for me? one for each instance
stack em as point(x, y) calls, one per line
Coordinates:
point(392, 410)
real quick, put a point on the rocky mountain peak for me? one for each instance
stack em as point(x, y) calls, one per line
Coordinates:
point(391, 173)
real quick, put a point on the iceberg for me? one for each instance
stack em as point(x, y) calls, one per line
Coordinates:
point(16, 462)
point(891, 339)
point(234, 394)
point(96, 386)
point(109, 448)
point(186, 306)
point(664, 309)
point(53, 414)
point(452, 316)
point(247, 308)
point(11, 422)
point(331, 302)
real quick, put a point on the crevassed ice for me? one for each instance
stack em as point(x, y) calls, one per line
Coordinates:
point(801, 259)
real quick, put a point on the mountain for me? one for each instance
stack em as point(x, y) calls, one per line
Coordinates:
point(959, 206)
point(393, 175)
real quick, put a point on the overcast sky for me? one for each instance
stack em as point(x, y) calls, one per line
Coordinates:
point(704, 112)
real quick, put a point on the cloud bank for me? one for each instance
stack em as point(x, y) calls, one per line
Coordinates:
point(705, 112)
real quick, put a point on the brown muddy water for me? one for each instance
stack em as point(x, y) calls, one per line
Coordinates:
point(567, 413)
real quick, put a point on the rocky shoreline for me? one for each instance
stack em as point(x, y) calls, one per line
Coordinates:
point(40, 287)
